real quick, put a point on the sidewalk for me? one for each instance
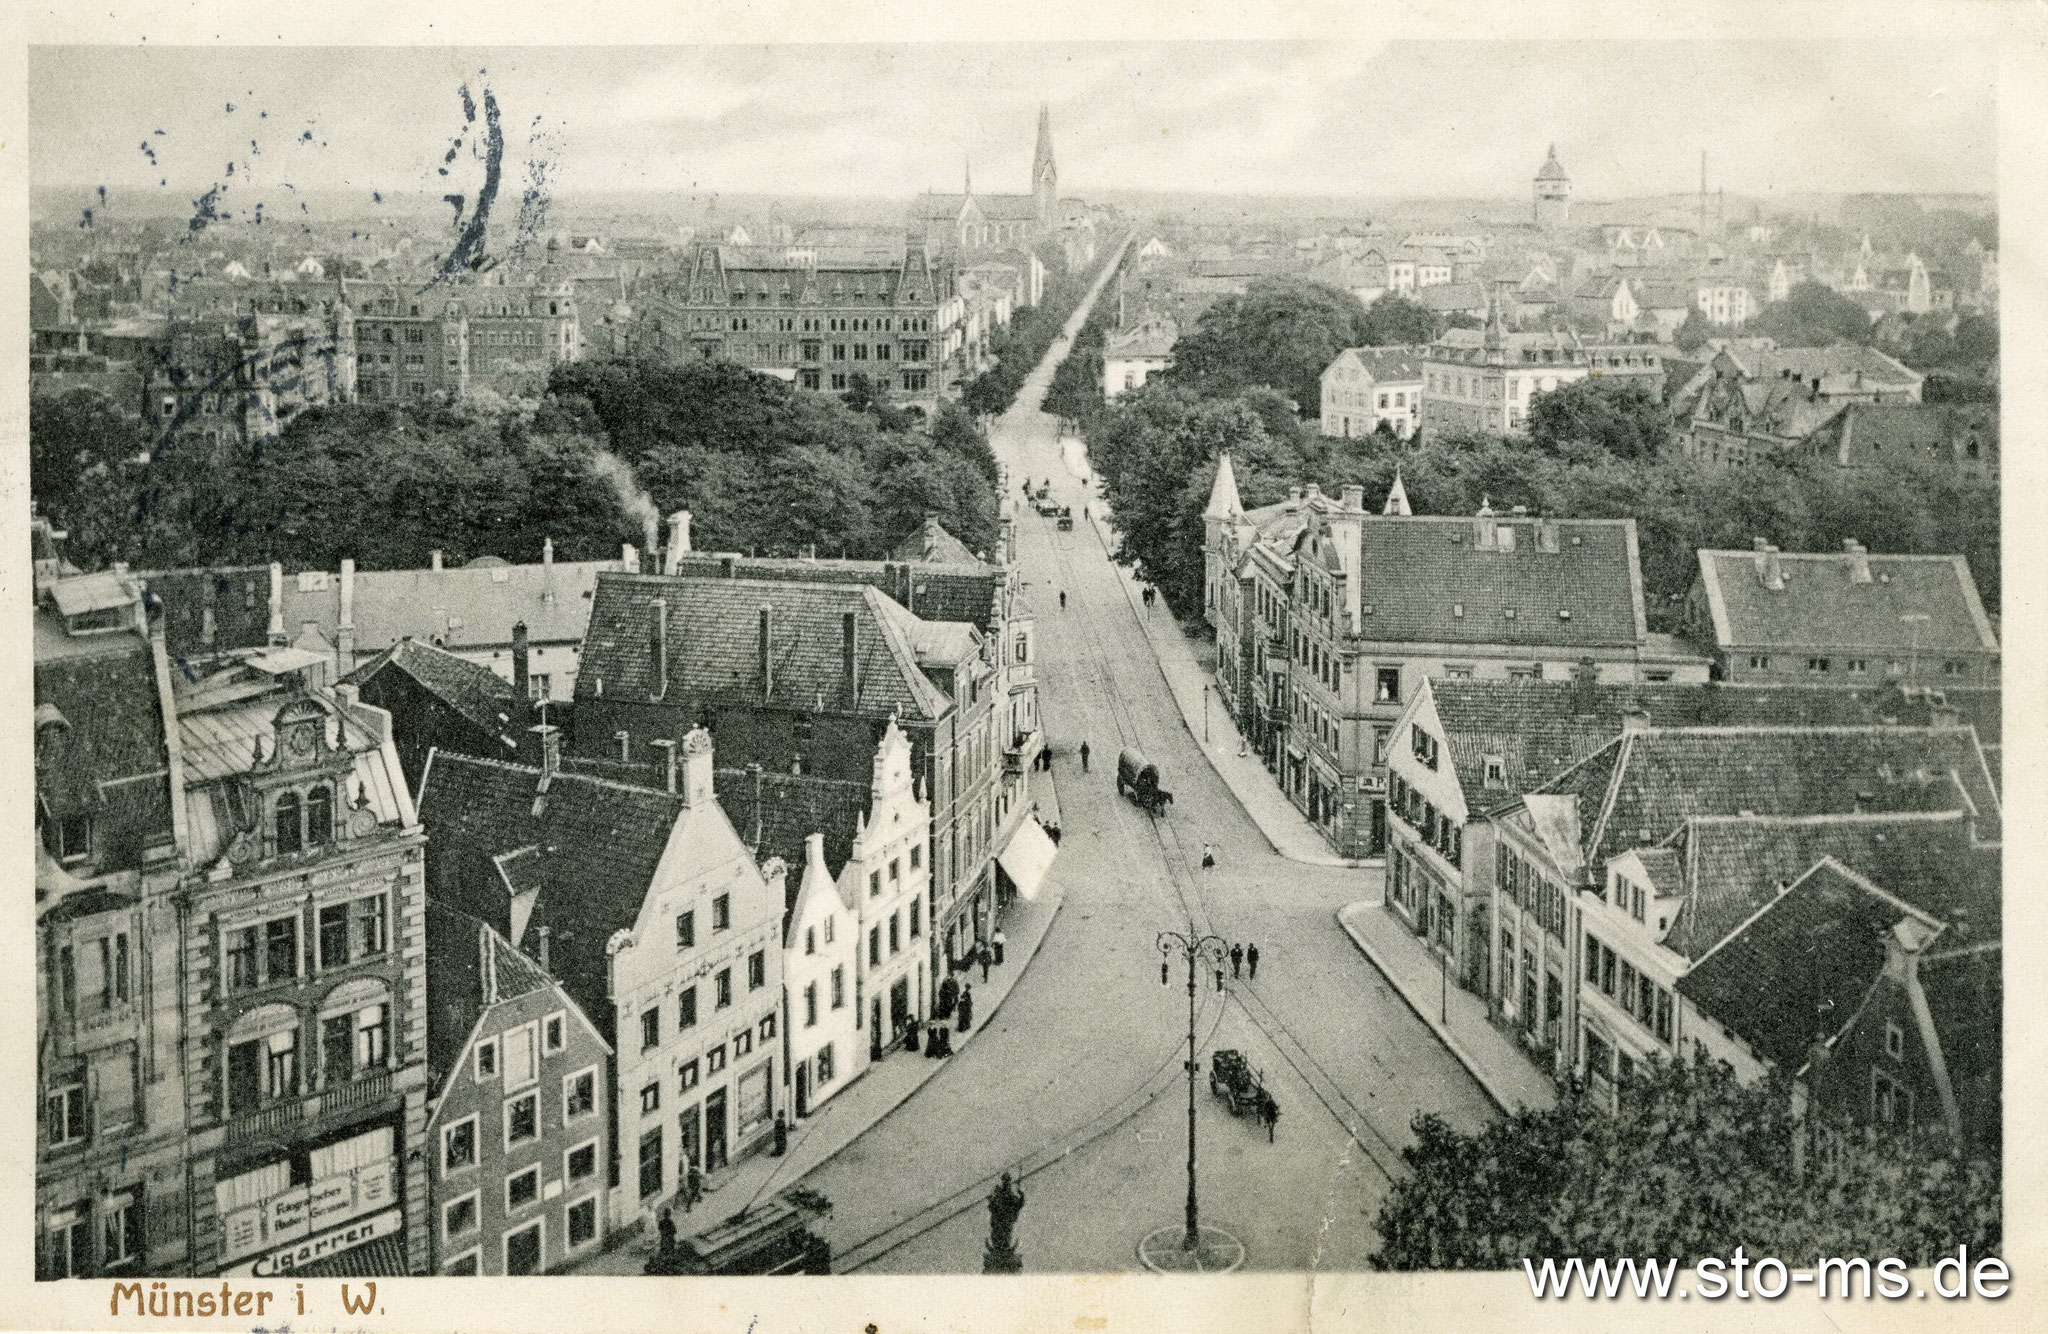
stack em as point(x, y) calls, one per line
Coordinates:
point(1508, 1076)
point(1256, 789)
point(853, 1111)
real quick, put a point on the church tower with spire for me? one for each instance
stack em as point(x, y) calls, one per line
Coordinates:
point(1045, 176)
point(1553, 191)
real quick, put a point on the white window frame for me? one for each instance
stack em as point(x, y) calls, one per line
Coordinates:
point(569, 1242)
point(475, 1140)
point(532, 1028)
point(475, 1253)
point(569, 1177)
point(559, 1017)
point(506, 1116)
point(475, 1199)
point(539, 1185)
point(505, 1243)
point(571, 1078)
point(497, 1070)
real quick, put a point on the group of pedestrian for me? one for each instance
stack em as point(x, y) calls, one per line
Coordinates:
point(1043, 760)
point(1148, 595)
point(1241, 956)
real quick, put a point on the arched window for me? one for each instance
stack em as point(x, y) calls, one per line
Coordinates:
point(319, 816)
point(290, 837)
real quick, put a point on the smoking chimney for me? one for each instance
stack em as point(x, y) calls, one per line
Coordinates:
point(650, 528)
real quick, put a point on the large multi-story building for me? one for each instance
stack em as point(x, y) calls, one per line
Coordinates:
point(1484, 380)
point(232, 1003)
point(1851, 619)
point(1329, 618)
point(661, 925)
point(1367, 389)
point(815, 317)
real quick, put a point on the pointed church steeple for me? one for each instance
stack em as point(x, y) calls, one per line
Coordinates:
point(1045, 175)
point(1397, 498)
point(966, 174)
point(1223, 500)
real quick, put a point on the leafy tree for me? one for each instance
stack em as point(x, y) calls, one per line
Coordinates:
point(1395, 321)
point(82, 453)
point(1692, 335)
point(1620, 418)
point(1976, 340)
point(1691, 1163)
point(1812, 315)
point(1281, 333)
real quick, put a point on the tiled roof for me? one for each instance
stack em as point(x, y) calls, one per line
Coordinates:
point(1451, 297)
point(113, 730)
point(1651, 781)
point(1735, 864)
point(462, 952)
point(1870, 435)
point(714, 636)
point(469, 606)
point(1821, 607)
point(773, 813)
point(1838, 367)
point(964, 591)
point(1389, 365)
point(1816, 950)
point(1416, 574)
point(1963, 981)
point(477, 693)
point(1538, 728)
point(931, 544)
point(600, 844)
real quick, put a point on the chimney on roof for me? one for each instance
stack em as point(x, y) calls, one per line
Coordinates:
point(764, 645)
point(345, 633)
point(276, 631)
point(1546, 535)
point(697, 788)
point(1313, 493)
point(728, 567)
point(1637, 716)
point(849, 654)
point(1293, 497)
point(550, 747)
point(658, 643)
point(1354, 500)
point(547, 553)
point(629, 558)
point(678, 542)
point(521, 663)
point(544, 933)
point(668, 755)
point(1770, 572)
point(434, 560)
point(1859, 561)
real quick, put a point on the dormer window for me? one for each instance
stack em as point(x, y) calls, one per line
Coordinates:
point(74, 838)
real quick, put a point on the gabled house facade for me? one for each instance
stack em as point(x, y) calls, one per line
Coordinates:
point(518, 1140)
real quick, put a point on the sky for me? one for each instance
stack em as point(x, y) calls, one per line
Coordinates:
point(1429, 119)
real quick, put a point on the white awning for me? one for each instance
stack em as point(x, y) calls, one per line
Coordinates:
point(1027, 857)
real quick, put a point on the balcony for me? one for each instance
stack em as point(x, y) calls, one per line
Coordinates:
point(1023, 747)
point(280, 1122)
point(302, 1115)
point(356, 1094)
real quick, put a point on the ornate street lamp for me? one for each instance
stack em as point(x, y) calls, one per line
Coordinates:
point(1211, 950)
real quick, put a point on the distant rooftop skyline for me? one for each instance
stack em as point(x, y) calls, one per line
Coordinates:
point(1413, 120)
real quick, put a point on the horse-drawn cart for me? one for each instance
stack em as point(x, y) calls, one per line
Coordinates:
point(1232, 1079)
point(1138, 778)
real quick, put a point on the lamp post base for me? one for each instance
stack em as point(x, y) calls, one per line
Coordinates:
point(1164, 1251)
point(1004, 1261)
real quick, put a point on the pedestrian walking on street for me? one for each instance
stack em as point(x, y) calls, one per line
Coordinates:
point(1063, 599)
point(693, 1187)
point(1269, 1112)
point(1208, 858)
point(1251, 956)
point(1084, 757)
point(667, 1229)
point(984, 956)
point(1237, 961)
point(966, 1009)
point(1219, 977)
point(997, 941)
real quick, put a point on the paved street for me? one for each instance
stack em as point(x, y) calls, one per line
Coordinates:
point(1078, 1082)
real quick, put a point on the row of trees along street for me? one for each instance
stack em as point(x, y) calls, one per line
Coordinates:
point(1246, 379)
point(762, 465)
